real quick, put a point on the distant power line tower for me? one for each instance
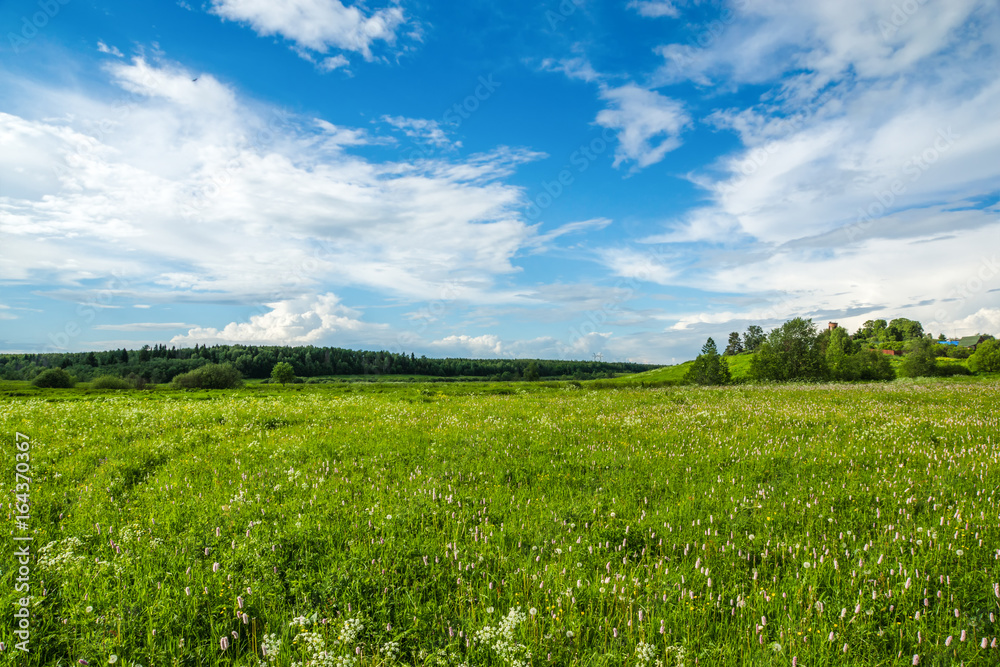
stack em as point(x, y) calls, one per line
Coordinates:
point(598, 356)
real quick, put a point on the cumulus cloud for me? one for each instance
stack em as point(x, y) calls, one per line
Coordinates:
point(649, 125)
point(306, 320)
point(316, 25)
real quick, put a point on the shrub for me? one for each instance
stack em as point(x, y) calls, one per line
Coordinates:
point(948, 370)
point(209, 376)
point(110, 382)
point(959, 352)
point(920, 362)
point(54, 378)
point(987, 357)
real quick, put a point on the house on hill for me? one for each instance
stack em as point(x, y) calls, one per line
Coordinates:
point(971, 341)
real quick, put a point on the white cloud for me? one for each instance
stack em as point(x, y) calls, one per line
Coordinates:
point(486, 345)
point(182, 185)
point(110, 50)
point(422, 131)
point(593, 224)
point(307, 320)
point(655, 8)
point(574, 68)
point(762, 40)
point(648, 124)
point(333, 63)
point(143, 326)
point(983, 321)
point(316, 25)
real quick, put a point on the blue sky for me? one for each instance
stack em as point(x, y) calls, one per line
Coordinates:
point(529, 179)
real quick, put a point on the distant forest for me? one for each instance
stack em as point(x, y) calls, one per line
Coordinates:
point(159, 364)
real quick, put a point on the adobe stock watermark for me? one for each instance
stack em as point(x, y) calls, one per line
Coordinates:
point(223, 177)
point(625, 290)
point(981, 277)
point(759, 156)
point(455, 115)
point(22, 540)
point(86, 313)
point(901, 13)
point(33, 23)
point(432, 312)
point(913, 169)
point(579, 161)
point(709, 33)
point(563, 11)
point(105, 127)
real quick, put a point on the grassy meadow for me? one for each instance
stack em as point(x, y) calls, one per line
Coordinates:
point(521, 524)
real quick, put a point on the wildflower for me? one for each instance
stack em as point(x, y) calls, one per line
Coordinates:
point(959, 552)
point(112, 659)
point(916, 659)
point(532, 611)
point(224, 643)
point(569, 635)
point(82, 662)
point(89, 609)
point(962, 638)
point(947, 642)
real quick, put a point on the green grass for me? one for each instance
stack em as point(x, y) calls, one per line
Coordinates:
point(739, 368)
point(665, 521)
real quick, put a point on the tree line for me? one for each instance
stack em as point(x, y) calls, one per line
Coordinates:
point(160, 364)
point(796, 351)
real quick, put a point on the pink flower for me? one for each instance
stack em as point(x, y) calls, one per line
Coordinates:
point(916, 659)
point(947, 642)
point(223, 643)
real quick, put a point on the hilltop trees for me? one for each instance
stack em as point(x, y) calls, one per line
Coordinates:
point(791, 352)
point(709, 368)
point(735, 345)
point(753, 338)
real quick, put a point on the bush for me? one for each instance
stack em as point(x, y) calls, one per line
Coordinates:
point(110, 382)
point(954, 352)
point(920, 362)
point(987, 357)
point(209, 376)
point(54, 378)
point(948, 370)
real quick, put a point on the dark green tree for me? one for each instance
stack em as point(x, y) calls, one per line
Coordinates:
point(709, 368)
point(531, 371)
point(753, 338)
point(283, 373)
point(735, 345)
point(791, 352)
point(54, 378)
point(920, 361)
point(986, 358)
point(839, 359)
point(903, 329)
